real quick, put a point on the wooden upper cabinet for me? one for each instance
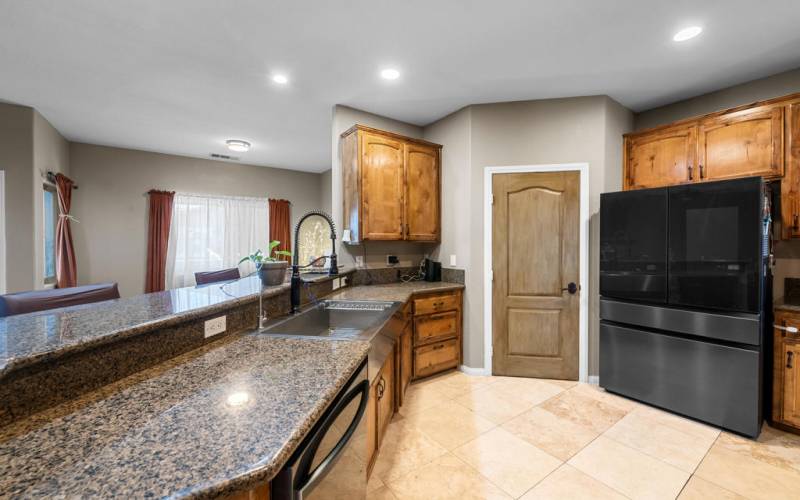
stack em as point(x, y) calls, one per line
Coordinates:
point(382, 187)
point(790, 185)
point(391, 186)
point(742, 144)
point(661, 159)
point(422, 192)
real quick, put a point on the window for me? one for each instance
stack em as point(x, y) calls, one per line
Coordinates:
point(211, 233)
point(50, 218)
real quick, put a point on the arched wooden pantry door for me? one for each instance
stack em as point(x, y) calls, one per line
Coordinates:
point(535, 295)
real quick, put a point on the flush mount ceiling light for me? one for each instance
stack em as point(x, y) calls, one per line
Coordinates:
point(687, 33)
point(280, 79)
point(238, 398)
point(238, 146)
point(390, 74)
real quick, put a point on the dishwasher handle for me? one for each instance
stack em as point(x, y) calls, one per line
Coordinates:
point(306, 478)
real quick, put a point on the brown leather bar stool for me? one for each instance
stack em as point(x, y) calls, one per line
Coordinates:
point(205, 278)
point(42, 300)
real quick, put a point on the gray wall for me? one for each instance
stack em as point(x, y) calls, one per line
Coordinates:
point(408, 253)
point(50, 154)
point(29, 147)
point(111, 204)
point(16, 158)
point(583, 129)
point(325, 191)
point(764, 88)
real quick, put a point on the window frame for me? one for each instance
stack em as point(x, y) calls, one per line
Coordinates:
point(49, 280)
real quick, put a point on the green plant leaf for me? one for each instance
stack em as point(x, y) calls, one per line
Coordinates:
point(283, 252)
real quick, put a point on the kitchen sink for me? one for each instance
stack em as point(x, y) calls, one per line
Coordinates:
point(335, 318)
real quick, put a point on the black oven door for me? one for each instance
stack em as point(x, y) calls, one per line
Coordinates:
point(633, 245)
point(715, 245)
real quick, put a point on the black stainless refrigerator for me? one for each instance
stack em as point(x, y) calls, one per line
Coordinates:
point(686, 299)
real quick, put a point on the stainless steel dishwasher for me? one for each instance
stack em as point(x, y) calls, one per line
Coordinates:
point(326, 465)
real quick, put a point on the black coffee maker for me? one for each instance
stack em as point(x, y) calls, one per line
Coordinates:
point(433, 270)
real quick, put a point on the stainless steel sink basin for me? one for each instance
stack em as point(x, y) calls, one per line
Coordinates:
point(335, 318)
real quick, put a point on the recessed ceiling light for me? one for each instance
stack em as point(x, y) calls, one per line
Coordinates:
point(687, 33)
point(237, 145)
point(390, 74)
point(281, 79)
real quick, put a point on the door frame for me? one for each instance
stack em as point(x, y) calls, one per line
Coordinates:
point(583, 257)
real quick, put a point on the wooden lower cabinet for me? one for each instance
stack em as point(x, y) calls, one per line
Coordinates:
point(406, 365)
point(437, 333)
point(786, 372)
point(380, 409)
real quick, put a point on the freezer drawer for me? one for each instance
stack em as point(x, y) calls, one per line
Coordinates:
point(714, 383)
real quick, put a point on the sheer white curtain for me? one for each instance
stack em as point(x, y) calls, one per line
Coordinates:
point(211, 233)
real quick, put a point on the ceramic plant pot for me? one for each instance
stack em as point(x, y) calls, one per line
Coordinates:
point(273, 273)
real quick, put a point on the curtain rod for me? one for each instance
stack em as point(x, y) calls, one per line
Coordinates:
point(51, 177)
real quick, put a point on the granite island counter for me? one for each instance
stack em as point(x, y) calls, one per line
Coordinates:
point(52, 356)
point(219, 419)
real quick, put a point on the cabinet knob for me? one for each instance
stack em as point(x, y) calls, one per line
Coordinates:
point(689, 169)
point(437, 347)
point(789, 356)
point(702, 173)
point(795, 222)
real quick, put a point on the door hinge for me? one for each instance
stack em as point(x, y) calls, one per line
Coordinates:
point(491, 199)
point(491, 275)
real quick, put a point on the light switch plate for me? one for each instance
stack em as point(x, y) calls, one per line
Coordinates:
point(359, 261)
point(215, 326)
point(452, 260)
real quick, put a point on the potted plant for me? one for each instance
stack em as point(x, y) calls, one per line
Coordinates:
point(271, 270)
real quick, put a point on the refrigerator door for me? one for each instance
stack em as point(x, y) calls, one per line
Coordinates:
point(715, 383)
point(633, 245)
point(715, 245)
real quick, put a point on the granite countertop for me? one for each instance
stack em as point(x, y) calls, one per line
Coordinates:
point(394, 292)
point(29, 338)
point(169, 431)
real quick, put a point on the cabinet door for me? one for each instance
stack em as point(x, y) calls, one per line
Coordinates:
point(422, 192)
point(661, 158)
point(790, 185)
point(385, 386)
point(742, 144)
point(372, 425)
point(406, 356)
point(791, 383)
point(382, 194)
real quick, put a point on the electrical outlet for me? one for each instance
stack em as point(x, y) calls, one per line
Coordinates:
point(215, 326)
point(359, 261)
point(336, 283)
point(452, 260)
point(392, 260)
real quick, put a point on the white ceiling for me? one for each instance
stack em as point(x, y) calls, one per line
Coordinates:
point(181, 76)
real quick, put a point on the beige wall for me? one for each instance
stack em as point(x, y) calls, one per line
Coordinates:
point(16, 159)
point(111, 238)
point(409, 253)
point(764, 88)
point(50, 154)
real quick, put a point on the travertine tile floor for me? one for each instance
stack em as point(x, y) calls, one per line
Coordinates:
point(465, 437)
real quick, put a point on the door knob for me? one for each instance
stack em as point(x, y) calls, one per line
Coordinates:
point(571, 288)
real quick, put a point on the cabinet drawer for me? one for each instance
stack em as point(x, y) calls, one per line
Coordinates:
point(438, 303)
point(436, 357)
point(435, 327)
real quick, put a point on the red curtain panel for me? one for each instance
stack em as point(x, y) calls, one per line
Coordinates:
point(157, 239)
point(280, 225)
point(66, 269)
